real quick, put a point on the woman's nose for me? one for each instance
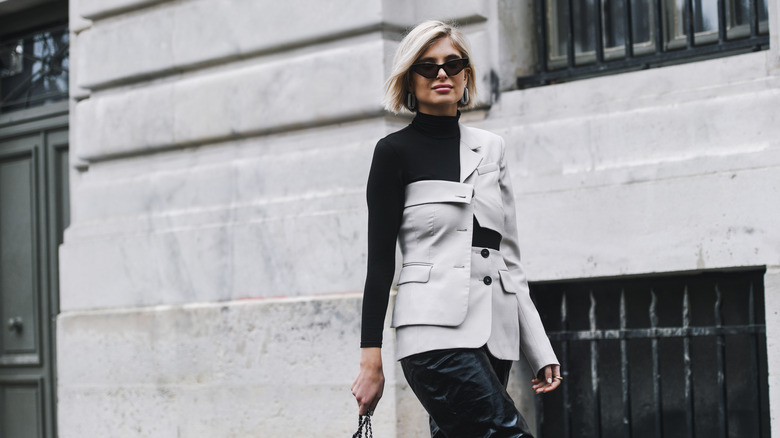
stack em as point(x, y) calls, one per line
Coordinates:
point(441, 73)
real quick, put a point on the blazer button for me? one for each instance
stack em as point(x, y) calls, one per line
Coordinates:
point(485, 253)
point(487, 280)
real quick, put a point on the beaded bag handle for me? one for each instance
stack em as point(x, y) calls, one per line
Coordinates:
point(364, 423)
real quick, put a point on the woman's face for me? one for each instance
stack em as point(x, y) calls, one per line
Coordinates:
point(439, 96)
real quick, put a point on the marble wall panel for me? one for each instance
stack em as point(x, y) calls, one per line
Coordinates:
point(180, 35)
point(712, 220)
point(297, 255)
point(253, 368)
point(226, 104)
point(93, 9)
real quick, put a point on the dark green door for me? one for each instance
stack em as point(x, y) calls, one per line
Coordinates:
point(33, 215)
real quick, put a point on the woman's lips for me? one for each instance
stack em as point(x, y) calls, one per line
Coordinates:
point(442, 88)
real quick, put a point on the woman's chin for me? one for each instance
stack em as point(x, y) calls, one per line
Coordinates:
point(439, 106)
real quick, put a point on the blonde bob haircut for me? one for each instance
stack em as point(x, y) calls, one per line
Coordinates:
point(414, 44)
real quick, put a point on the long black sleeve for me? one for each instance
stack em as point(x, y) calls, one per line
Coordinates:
point(385, 198)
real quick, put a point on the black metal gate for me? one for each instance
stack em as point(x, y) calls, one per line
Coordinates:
point(662, 356)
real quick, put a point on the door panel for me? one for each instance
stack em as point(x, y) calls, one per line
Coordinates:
point(18, 260)
point(20, 409)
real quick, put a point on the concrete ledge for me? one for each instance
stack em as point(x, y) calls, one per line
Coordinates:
point(256, 369)
point(97, 9)
point(300, 255)
point(712, 79)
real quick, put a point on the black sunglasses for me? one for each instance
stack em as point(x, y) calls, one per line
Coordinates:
point(430, 70)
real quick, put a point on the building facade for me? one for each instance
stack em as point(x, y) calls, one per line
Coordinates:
point(208, 172)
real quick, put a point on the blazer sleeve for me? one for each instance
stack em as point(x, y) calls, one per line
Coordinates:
point(533, 339)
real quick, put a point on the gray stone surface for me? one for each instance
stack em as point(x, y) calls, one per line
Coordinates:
point(220, 154)
point(254, 368)
point(228, 103)
point(180, 35)
point(94, 9)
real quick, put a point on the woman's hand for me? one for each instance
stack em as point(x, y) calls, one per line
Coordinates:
point(370, 381)
point(548, 379)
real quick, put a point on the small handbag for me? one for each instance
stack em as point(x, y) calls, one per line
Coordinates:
point(364, 423)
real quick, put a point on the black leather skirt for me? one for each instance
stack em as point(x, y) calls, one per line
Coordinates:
point(464, 392)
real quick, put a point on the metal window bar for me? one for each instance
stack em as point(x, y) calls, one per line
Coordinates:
point(630, 60)
point(624, 370)
point(686, 331)
point(689, 411)
point(656, 367)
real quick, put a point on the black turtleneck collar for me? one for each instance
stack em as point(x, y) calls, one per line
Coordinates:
point(437, 126)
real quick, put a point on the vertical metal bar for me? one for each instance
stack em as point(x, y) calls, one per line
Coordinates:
point(565, 371)
point(624, 372)
point(629, 29)
point(542, 39)
point(659, 430)
point(689, 411)
point(594, 368)
point(689, 28)
point(754, 340)
point(659, 27)
point(599, 43)
point(721, 21)
point(570, 55)
point(753, 18)
point(721, 353)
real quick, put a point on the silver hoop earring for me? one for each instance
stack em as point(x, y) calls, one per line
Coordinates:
point(465, 99)
point(411, 101)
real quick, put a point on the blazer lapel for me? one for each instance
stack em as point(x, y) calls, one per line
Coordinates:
point(469, 158)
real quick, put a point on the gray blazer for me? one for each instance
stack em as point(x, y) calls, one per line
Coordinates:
point(435, 240)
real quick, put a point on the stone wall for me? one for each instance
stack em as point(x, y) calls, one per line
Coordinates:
point(211, 275)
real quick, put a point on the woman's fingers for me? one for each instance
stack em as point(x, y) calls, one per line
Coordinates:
point(548, 379)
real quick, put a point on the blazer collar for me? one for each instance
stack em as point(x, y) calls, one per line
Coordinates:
point(469, 153)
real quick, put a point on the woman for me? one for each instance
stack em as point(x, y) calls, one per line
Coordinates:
point(462, 311)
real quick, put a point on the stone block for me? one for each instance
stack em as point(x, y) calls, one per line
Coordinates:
point(451, 10)
point(124, 48)
point(180, 35)
point(667, 224)
point(76, 23)
point(303, 255)
point(253, 368)
point(224, 104)
point(201, 223)
point(74, 91)
point(95, 9)
point(131, 122)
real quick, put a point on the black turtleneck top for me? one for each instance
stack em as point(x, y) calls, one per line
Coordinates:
point(427, 149)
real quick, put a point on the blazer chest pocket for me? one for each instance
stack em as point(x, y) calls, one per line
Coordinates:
point(415, 273)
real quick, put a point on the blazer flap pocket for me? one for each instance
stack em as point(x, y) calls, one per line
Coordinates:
point(416, 273)
point(430, 192)
point(507, 283)
point(487, 168)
